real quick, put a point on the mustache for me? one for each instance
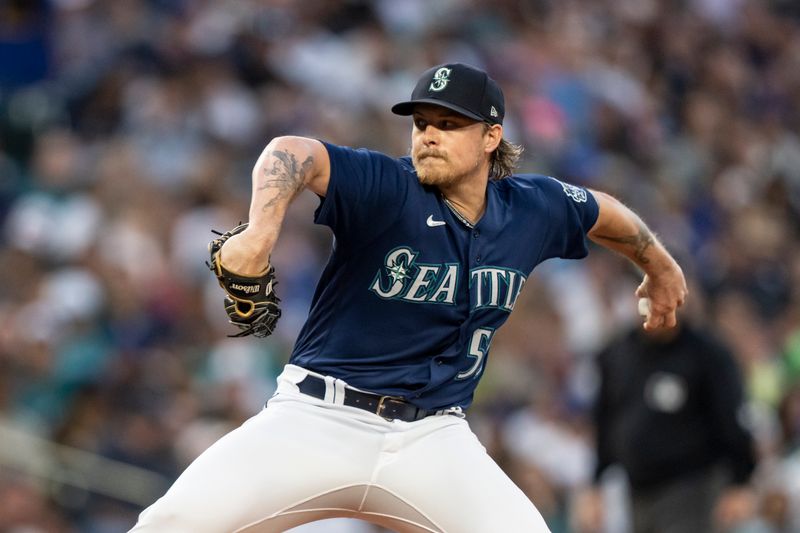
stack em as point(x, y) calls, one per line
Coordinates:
point(422, 154)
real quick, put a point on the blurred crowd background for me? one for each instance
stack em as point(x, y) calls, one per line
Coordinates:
point(128, 129)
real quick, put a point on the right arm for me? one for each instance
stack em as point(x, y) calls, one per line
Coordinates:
point(285, 167)
point(621, 230)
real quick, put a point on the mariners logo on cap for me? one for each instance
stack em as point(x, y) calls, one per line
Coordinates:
point(440, 79)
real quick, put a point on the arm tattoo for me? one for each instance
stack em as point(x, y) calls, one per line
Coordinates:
point(286, 176)
point(639, 242)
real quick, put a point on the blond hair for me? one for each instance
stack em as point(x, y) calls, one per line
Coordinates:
point(503, 161)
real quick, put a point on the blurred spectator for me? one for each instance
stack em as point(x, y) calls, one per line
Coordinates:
point(25, 507)
point(671, 412)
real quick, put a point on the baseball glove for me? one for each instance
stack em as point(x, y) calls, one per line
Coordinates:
point(250, 302)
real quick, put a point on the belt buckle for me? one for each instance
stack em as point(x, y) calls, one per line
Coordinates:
point(382, 406)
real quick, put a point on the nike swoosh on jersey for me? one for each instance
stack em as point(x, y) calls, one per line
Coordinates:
point(433, 223)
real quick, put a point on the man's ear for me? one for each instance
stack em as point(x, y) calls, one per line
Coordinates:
point(492, 137)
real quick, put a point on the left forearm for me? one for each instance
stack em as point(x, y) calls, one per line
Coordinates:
point(621, 230)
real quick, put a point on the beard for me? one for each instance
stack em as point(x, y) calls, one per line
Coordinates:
point(434, 168)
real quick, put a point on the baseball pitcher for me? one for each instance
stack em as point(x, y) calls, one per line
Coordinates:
point(430, 254)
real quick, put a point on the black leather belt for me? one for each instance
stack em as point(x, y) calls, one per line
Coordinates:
point(389, 407)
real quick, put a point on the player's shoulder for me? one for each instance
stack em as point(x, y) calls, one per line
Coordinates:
point(343, 150)
point(407, 164)
point(525, 180)
point(547, 186)
point(337, 152)
point(520, 183)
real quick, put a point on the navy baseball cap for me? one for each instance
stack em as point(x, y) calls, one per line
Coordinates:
point(462, 88)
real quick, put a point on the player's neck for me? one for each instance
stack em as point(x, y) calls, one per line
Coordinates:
point(468, 197)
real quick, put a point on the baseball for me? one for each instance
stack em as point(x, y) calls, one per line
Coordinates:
point(644, 307)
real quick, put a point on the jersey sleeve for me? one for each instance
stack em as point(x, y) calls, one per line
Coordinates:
point(572, 211)
point(365, 194)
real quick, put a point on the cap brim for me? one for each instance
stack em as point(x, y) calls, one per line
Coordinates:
point(407, 108)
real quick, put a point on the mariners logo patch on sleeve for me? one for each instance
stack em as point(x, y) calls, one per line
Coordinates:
point(576, 193)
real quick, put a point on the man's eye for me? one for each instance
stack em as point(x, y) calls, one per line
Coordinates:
point(420, 124)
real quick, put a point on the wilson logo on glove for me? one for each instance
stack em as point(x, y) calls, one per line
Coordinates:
point(247, 289)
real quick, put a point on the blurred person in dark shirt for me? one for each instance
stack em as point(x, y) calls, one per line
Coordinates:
point(670, 412)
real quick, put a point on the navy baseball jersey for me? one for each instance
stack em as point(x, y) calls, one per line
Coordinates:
point(412, 295)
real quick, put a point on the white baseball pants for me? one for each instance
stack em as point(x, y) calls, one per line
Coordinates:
point(303, 459)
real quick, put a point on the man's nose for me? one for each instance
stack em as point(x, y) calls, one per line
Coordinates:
point(430, 135)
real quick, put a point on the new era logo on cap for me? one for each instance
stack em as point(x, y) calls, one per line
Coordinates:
point(464, 89)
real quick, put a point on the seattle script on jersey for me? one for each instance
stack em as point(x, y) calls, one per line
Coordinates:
point(404, 278)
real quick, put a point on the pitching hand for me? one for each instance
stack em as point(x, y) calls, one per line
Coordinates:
point(666, 292)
